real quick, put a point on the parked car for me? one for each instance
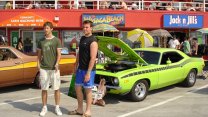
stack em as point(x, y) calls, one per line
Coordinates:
point(137, 71)
point(19, 68)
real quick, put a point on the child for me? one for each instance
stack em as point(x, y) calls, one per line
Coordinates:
point(99, 94)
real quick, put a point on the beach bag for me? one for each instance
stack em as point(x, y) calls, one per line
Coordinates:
point(72, 92)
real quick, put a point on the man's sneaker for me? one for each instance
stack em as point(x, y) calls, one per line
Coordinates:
point(58, 111)
point(43, 111)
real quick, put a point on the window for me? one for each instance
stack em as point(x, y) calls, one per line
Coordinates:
point(71, 39)
point(6, 54)
point(149, 57)
point(172, 56)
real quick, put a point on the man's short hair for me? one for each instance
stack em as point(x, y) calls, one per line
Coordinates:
point(48, 24)
point(88, 22)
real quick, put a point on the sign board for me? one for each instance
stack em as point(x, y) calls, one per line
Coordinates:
point(182, 21)
point(25, 19)
point(112, 19)
point(15, 37)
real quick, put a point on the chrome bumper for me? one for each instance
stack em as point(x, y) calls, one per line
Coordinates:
point(111, 87)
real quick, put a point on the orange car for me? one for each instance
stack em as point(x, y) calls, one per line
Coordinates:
point(19, 68)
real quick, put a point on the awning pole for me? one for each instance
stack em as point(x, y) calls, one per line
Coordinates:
point(204, 6)
point(142, 4)
point(13, 4)
point(6, 32)
point(56, 3)
point(98, 4)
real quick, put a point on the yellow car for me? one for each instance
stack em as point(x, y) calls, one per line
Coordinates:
point(19, 68)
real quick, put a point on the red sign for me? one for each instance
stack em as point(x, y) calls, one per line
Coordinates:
point(25, 19)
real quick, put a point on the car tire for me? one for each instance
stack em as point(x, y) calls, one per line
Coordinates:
point(37, 81)
point(139, 91)
point(190, 79)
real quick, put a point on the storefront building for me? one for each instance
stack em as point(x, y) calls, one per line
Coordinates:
point(68, 23)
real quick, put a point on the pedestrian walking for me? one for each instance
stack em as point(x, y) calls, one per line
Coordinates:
point(174, 43)
point(20, 44)
point(49, 54)
point(187, 47)
point(194, 47)
point(27, 45)
point(2, 40)
point(85, 73)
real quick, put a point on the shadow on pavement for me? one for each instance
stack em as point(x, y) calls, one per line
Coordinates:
point(8, 89)
point(163, 89)
point(115, 99)
point(203, 91)
point(202, 77)
point(15, 88)
point(34, 107)
point(25, 106)
point(64, 81)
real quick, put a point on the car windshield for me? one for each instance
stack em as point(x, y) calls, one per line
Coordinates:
point(149, 57)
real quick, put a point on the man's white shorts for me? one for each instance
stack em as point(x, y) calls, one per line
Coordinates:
point(48, 77)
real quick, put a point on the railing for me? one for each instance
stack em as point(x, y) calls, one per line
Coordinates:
point(104, 4)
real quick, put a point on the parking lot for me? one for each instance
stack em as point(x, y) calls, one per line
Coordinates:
point(173, 101)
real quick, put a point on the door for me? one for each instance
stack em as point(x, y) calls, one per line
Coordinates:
point(39, 35)
point(11, 68)
point(170, 73)
point(14, 38)
point(28, 41)
point(31, 39)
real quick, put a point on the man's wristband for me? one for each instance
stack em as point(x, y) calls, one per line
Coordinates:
point(88, 71)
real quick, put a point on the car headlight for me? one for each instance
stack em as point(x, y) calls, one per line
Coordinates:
point(115, 81)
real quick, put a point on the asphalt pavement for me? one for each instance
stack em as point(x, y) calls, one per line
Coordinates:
point(172, 101)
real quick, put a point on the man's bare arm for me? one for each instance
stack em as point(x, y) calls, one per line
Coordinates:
point(76, 63)
point(58, 58)
point(93, 55)
point(39, 57)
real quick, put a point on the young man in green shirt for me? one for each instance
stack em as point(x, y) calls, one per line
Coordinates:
point(187, 47)
point(49, 54)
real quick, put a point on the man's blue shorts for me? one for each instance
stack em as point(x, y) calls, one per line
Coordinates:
point(80, 74)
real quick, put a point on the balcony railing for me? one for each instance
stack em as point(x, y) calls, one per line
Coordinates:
point(104, 4)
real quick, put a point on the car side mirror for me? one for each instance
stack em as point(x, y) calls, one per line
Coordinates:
point(168, 61)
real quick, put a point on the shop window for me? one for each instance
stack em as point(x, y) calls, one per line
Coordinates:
point(2, 32)
point(71, 40)
point(2, 4)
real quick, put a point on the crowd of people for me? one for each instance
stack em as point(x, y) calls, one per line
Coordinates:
point(188, 46)
point(105, 4)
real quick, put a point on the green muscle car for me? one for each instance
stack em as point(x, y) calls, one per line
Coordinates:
point(137, 71)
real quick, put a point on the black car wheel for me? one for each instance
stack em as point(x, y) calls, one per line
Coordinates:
point(139, 90)
point(190, 79)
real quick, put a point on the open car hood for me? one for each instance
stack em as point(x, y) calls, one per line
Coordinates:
point(105, 43)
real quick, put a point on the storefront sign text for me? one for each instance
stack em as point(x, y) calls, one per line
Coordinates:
point(14, 40)
point(25, 19)
point(112, 19)
point(183, 21)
